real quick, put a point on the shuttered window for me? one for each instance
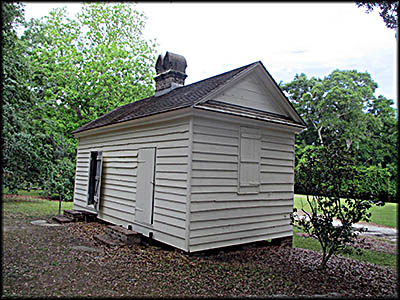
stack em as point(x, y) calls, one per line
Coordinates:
point(249, 161)
point(95, 170)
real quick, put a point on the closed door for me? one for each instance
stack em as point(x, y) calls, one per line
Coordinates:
point(145, 185)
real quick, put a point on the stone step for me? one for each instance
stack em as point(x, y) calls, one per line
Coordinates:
point(106, 239)
point(73, 212)
point(74, 215)
point(89, 216)
point(124, 235)
point(62, 219)
point(80, 215)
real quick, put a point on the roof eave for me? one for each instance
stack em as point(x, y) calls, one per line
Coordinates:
point(297, 127)
point(278, 89)
point(147, 119)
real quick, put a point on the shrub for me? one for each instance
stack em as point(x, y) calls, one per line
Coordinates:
point(325, 174)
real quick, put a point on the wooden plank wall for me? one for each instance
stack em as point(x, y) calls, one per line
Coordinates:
point(118, 189)
point(251, 93)
point(219, 216)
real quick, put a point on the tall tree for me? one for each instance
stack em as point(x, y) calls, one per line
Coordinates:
point(343, 108)
point(388, 11)
point(88, 66)
point(73, 71)
point(21, 159)
point(333, 107)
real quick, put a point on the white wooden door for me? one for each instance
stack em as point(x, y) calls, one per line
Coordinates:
point(145, 185)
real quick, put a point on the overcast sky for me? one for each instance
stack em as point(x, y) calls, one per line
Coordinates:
point(288, 38)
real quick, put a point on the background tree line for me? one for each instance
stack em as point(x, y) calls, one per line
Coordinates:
point(62, 73)
point(342, 109)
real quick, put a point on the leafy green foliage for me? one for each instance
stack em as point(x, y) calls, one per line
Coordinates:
point(342, 108)
point(325, 174)
point(332, 107)
point(86, 67)
point(61, 74)
point(388, 11)
point(21, 159)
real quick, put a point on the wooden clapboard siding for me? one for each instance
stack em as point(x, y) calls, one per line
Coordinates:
point(139, 132)
point(168, 140)
point(219, 215)
point(119, 182)
point(236, 228)
point(272, 234)
point(222, 205)
point(269, 192)
point(249, 92)
point(199, 225)
point(168, 196)
point(166, 234)
point(234, 235)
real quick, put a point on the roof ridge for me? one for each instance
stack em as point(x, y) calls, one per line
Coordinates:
point(184, 96)
point(246, 67)
point(222, 74)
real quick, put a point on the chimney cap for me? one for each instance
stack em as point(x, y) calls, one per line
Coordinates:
point(170, 61)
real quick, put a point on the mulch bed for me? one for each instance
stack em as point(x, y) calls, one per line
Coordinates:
point(51, 262)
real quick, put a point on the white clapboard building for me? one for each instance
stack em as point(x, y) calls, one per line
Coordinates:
point(198, 166)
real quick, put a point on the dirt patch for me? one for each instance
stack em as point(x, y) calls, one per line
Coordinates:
point(52, 262)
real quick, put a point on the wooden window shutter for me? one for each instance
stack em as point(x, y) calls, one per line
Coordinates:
point(92, 175)
point(95, 170)
point(249, 160)
point(99, 164)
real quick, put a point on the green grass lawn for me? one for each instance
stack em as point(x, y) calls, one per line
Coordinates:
point(383, 215)
point(33, 207)
point(34, 193)
point(375, 257)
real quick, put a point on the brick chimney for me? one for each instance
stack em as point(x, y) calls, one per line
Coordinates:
point(170, 69)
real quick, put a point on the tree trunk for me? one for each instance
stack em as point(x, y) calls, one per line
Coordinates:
point(320, 136)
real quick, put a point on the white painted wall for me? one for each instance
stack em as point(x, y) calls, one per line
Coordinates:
point(199, 201)
point(219, 215)
point(118, 193)
point(251, 92)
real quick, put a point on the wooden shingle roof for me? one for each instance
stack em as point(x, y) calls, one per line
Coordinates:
point(182, 97)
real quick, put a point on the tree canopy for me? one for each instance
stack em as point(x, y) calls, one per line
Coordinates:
point(18, 131)
point(61, 74)
point(86, 67)
point(343, 108)
point(387, 10)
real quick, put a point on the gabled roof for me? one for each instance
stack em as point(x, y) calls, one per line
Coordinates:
point(247, 112)
point(181, 97)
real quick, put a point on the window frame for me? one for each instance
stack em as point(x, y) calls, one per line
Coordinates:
point(94, 179)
